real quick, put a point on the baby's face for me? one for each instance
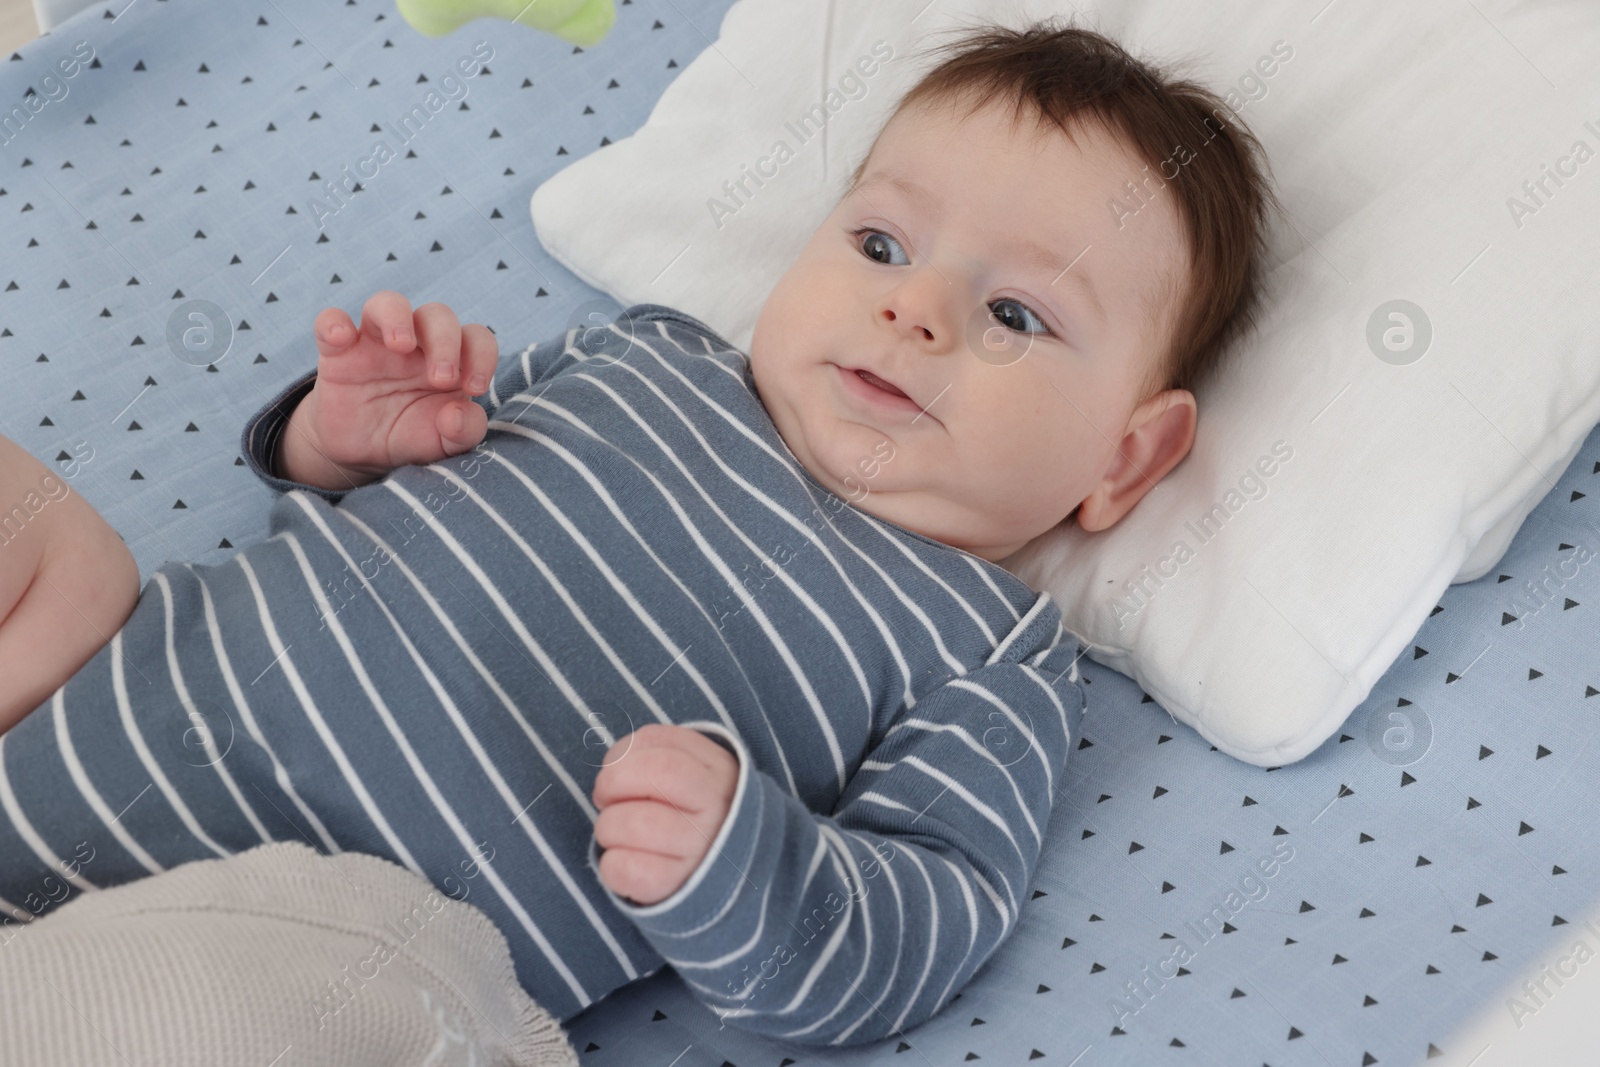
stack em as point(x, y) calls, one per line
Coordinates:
point(1007, 425)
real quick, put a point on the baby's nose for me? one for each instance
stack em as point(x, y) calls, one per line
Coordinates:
point(927, 335)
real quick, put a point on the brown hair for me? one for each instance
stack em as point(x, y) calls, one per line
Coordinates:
point(1065, 75)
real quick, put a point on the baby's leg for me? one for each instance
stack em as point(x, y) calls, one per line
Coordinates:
point(67, 582)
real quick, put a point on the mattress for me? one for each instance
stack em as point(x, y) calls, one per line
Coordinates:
point(1424, 858)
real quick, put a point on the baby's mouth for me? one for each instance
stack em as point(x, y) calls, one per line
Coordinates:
point(873, 379)
point(880, 393)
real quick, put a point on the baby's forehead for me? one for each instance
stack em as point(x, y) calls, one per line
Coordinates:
point(1157, 270)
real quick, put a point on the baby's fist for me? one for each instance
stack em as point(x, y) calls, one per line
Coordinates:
point(663, 792)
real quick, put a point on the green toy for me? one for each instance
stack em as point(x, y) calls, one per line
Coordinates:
point(583, 22)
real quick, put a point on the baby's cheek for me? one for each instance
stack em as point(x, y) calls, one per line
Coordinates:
point(1014, 460)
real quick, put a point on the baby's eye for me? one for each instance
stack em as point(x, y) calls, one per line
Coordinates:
point(1017, 319)
point(877, 240)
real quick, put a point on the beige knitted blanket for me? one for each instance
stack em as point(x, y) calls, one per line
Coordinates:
point(275, 957)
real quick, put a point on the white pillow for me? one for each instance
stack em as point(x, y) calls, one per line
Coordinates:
point(1398, 134)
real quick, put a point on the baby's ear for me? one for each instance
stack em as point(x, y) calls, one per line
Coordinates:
point(1160, 433)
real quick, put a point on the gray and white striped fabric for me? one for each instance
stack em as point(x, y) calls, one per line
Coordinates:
point(431, 668)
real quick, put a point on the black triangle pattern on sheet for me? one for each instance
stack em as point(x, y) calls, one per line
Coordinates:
point(182, 164)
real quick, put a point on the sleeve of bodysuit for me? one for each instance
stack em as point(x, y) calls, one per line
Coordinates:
point(516, 372)
point(860, 924)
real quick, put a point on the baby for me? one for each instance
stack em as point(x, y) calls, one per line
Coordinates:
point(656, 651)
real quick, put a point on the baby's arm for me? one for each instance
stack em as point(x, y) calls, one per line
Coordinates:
point(855, 926)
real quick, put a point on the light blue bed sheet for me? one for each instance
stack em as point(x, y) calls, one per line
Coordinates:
point(181, 164)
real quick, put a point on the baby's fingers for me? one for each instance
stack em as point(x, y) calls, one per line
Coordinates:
point(334, 332)
point(480, 356)
point(461, 426)
point(440, 332)
point(642, 877)
point(386, 317)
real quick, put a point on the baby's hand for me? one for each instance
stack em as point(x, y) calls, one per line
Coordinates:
point(662, 792)
point(378, 403)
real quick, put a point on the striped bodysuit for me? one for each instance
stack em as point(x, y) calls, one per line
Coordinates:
point(430, 668)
